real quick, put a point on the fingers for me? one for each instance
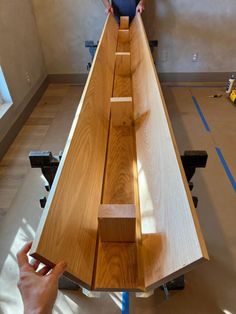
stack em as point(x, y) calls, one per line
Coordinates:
point(109, 10)
point(140, 8)
point(44, 271)
point(58, 270)
point(22, 257)
point(35, 264)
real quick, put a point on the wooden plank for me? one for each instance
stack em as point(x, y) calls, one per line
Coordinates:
point(124, 22)
point(119, 174)
point(124, 35)
point(119, 265)
point(122, 80)
point(123, 64)
point(123, 44)
point(122, 86)
point(117, 223)
point(122, 111)
point(172, 239)
point(68, 228)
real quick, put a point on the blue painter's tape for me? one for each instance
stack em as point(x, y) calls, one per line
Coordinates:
point(226, 168)
point(201, 114)
point(125, 303)
point(196, 86)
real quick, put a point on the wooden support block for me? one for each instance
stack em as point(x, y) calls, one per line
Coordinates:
point(121, 111)
point(123, 44)
point(123, 35)
point(124, 22)
point(123, 67)
point(122, 80)
point(122, 86)
point(116, 223)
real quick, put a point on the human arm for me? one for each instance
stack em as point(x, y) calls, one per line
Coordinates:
point(140, 7)
point(108, 7)
point(38, 288)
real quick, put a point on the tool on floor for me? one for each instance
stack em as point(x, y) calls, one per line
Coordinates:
point(233, 96)
point(230, 84)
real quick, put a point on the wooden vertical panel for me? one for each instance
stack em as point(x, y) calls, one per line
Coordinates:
point(122, 111)
point(122, 80)
point(124, 22)
point(68, 228)
point(172, 239)
point(117, 222)
point(123, 44)
point(119, 176)
point(123, 64)
point(124, 35)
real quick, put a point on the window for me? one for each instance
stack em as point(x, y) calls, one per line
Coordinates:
point(5, 97)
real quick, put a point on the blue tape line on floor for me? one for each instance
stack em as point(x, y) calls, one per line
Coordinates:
point(201, 114)
point(226, 168)
point(192, 86)
point(125, 303)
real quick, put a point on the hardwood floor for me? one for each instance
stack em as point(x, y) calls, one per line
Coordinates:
point(15, 164)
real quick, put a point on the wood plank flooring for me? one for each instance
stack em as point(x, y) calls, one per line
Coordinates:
point(15, 164)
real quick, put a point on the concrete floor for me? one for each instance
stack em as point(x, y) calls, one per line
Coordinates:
point(210, 288)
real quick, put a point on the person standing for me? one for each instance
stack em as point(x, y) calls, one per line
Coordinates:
point(124, 7)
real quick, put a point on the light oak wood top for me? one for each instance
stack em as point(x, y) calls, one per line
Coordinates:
point(172, 239)
point(68, 230)
point(169, 241)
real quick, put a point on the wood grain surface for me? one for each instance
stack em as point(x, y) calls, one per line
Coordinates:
point(117, 222)
point(68, 228)
point(122, 111)
point(172, 239)
point(123, 44)
point(124, 22)
point(106, 163)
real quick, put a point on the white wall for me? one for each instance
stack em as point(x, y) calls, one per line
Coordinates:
point(20, 52)
point(182, 27)
point(64, 25)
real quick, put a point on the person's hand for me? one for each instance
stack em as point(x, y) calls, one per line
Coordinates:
point(140, 7)
point(38, 288)
point(109, 10)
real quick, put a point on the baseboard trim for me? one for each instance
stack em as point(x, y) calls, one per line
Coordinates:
point(20, 121)
point(174, 77)
point(194, 77)
point(79, 79)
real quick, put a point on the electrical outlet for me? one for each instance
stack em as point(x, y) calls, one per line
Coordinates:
point(195, 57)
point(28, 78)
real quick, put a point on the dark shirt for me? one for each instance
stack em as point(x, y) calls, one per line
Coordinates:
point(125, 7)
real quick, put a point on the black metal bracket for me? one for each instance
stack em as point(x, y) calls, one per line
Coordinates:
point(92, 50)
point(48, 165)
